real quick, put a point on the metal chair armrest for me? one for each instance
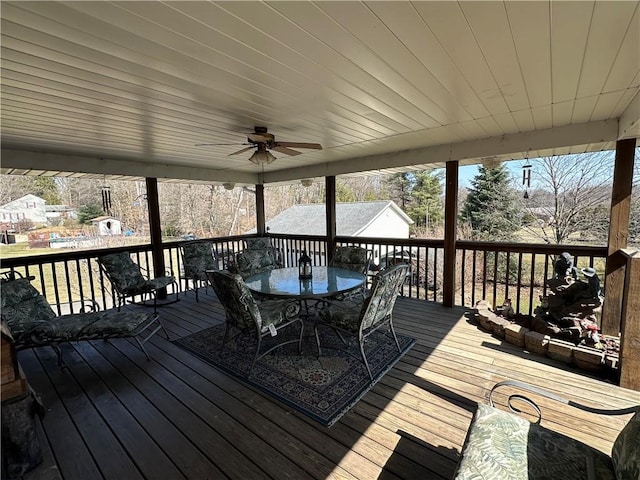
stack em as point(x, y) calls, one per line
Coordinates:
point(86, 305)
point(552, 396)
point(149, 274)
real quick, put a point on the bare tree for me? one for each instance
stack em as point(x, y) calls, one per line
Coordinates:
point(570, 195)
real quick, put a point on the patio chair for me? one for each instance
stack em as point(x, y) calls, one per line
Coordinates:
point(360, 317)
point(352, 258)
point(127, 280)
point(264, 243)
point(501, 445)
point(31, 322)
point(197, 257)
point(251, 262)
point(244, 316)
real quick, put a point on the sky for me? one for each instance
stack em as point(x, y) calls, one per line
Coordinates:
point(467, 172)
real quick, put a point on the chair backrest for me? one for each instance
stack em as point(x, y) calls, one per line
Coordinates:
point(385, 289)
point(257, 243)
point(121, 270)
point(352, 258)
point(22, 306)
point(251, 262)
point(239, 305)
point(197, 257)
point(264, 243)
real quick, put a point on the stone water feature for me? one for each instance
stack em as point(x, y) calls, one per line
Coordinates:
point(565, 323)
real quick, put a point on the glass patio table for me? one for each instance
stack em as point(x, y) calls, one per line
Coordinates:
point(284, 283)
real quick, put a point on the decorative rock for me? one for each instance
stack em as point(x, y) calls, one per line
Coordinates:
point(498, 326)
point(536, 342)
point(514, 334)
point(485, 322)
point(560, 350)
point(588, 358)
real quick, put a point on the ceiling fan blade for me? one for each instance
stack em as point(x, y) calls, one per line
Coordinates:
point(217, 144)
point(260, 137)
point(315, 146)
point(242, 150)
point(285, 150)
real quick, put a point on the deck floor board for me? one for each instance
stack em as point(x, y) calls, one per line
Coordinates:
point(114, 415)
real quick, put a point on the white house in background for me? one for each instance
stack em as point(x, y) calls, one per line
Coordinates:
point(28, 207)
point(358, 219)
point(107, 225)
point(35, 209)
point(383, 219)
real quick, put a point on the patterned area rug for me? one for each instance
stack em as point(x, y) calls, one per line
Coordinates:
point(323, 388)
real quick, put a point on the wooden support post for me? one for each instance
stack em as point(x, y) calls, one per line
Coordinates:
point(618, 235)
point(450, 233)
point(260, 215)
point(630, 329)
point(330, 195)
point(155, 232)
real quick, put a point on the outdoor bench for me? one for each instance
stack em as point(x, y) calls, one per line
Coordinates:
point(501, 445)
point(29, 321)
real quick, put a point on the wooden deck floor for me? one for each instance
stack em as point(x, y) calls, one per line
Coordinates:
point(115, 415)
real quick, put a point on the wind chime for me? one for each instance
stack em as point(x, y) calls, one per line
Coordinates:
point(106, 198)
point(526, 177)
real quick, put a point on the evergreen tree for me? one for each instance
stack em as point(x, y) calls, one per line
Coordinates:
point(46, 188)
point(87, 212)
point(344, 193)
point(492, 207)
point(426, 200)
point(400, 187)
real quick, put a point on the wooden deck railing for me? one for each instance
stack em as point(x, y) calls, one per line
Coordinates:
point(484, 270)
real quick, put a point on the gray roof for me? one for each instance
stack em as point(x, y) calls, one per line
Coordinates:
point(351, 218)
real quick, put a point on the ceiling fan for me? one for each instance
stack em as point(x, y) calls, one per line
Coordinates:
point(263, 141)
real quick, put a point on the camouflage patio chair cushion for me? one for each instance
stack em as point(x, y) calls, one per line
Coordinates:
point(23, 308)
point(264, 244)
point(126, 277)
point(245, 316)
point(360, 317)
point(32, 322)
point(198, 257)
point(352, 258)
point(251, 262)
point(501, 445)
point(258, 243)
point(625, 453)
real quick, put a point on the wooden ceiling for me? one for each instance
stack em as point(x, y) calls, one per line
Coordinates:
point(130, 88)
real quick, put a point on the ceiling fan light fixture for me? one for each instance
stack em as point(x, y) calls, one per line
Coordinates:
point(261, 156)
point(306, 182)
point(229, 185)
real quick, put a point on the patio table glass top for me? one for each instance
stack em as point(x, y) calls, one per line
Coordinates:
point(325, 282)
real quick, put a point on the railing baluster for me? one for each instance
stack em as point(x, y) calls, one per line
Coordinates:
point(435, 274)
point(495, 277)
point(473, 279)
point(519, 281)
point(462, 278)
point(67, 281)
point(79, 276)
point(43, 287)
point(533, 271)
point(91, 284)
point(484, 274)
point(55, 286)
point(546, 275)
